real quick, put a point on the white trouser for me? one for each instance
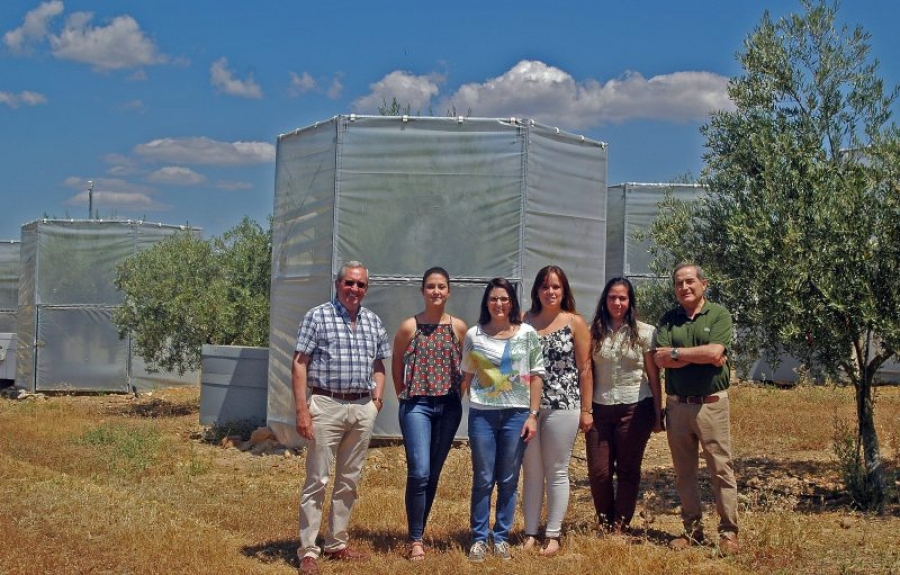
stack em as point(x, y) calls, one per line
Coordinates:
point(546, 468)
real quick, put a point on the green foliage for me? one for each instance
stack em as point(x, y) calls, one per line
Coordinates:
point(245, 257)
point(185, 292)
point(393, 109)
point(654, 297)
point(800, 231)
point(852, 468)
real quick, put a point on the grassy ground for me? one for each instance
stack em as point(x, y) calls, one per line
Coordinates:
point(122, 485)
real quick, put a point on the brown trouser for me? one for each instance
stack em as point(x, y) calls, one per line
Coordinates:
point(615, 447)
point(709, 427)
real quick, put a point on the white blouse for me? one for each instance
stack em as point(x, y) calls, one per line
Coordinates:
point(619, 376)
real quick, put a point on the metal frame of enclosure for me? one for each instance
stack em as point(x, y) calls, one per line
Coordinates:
point(9, 284)
point(66, 297)
point(632, 207)
point(482, 197)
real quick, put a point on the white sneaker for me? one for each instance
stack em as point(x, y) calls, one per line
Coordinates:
point(478, 551)
point(501, 550)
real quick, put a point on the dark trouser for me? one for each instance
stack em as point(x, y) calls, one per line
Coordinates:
point(615, 447)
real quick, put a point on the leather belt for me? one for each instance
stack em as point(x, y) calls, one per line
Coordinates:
point(339, 395)
point(693, 399)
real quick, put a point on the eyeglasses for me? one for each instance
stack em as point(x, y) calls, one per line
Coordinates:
point(499, 299)
point(359, 284)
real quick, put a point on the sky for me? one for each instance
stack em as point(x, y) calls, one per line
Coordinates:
point(172, 108)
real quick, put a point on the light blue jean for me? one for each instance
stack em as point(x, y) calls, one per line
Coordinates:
point(495, 437)
point(428, 425)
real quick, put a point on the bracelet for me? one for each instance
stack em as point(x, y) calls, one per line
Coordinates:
point(591, 410)
point(378, 399)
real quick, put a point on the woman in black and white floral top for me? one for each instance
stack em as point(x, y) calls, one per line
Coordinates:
point(565, 340)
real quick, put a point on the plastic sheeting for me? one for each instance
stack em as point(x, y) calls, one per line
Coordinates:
point(481, 197)
point(9, 285)
point(633, 207)
point(66, 297)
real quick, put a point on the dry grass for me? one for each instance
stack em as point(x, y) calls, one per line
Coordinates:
point(113, 484)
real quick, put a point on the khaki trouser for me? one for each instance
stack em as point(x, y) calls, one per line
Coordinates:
point(341, 430)
point(708, 426)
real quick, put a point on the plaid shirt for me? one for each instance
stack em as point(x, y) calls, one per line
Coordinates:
point(341, 360)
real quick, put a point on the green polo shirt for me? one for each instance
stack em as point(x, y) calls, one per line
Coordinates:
point(712, 325)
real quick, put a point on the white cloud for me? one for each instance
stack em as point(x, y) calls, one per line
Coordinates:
point(22, 98)
point(202, 150)
point(34, 27)
point(305, 83)
point(417, 91)
point(302, 84)
point(223, 80)
point(533, 89)
point(121, 165)
point(176, 175)
point(336, 88)
point(105, 200)
point(119, 44)
point(116, 194)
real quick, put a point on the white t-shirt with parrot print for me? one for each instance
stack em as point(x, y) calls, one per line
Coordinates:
point(503, 368)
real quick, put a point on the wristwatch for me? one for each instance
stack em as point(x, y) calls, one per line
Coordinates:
point(674, 353)
point(534, 412)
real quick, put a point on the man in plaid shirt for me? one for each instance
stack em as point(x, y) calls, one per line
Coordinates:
point(338, 380)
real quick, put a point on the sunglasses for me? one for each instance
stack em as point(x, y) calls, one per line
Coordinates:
point(351, 283)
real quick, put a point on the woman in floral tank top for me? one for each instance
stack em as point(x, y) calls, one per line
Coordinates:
point(426, 373)
point(566, 342)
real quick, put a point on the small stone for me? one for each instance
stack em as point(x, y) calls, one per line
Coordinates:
point(231, 441)
point(261, 434)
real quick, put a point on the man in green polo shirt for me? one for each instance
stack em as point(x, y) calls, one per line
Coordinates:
point(692, 345)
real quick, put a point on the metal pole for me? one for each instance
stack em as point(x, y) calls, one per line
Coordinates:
point(90, 199)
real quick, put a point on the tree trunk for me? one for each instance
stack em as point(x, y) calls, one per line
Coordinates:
point(868, 438)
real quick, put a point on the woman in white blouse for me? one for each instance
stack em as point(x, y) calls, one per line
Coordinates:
point(626, 404)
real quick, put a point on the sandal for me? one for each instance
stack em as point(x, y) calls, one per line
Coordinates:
point(551, 547)
point(529, 542)
point(416, 551)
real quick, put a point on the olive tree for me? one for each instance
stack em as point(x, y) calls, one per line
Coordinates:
point(800, 229)
point(184, 292)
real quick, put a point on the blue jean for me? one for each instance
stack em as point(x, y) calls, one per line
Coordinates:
point(428, 425)
point(495, 437)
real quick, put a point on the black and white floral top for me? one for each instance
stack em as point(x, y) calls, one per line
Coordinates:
point(561, 390)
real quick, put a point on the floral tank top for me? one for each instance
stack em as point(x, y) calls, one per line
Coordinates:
point(431, 362)
point(561, 389)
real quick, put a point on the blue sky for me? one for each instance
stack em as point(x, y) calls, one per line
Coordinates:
point(172, 108)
